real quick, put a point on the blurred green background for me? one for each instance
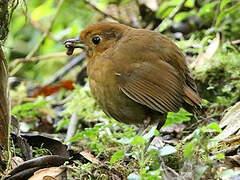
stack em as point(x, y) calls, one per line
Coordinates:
point(199, 19)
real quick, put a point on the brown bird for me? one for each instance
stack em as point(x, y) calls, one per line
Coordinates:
point(136, 75)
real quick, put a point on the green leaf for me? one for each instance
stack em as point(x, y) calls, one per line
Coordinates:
point(224, 3)
point(189, 3)
point(138, 140)
point(156, 132)
point(117, 156)
point(62, 123)
point(30, 109)
point(167, 150)
point(218, 156)
point(207, 8)
point(46, 9)
point(166, 8)
point(188, 149)
point(179, 117)
point(164, 25)
point(226, 12)
point(181, 16)
point(214, 126)
point(124, 2)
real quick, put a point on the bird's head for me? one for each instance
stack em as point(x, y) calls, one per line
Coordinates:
point(99, 37)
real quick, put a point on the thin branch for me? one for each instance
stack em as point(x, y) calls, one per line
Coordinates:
point(38, 58)
point(172, 14)
point(102, 12)
point(72, 128)
point(235, 41)
point(13, 7)
point(64, 70)
point(38, 45)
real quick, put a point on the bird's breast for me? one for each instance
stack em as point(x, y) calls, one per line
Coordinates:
point(105, 89)
point(102, 81)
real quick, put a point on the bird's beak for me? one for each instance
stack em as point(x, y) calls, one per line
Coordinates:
point(71, 44)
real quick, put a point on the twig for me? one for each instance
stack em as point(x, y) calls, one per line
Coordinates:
point(231, 140)
point(235, 44)
point(13, 7)
point(172, 14)
point(232, 79)
point(38, 45)
point(72, 127)
point(235, 41)
point(102, 12)
point(39, 58)
point(58, 75)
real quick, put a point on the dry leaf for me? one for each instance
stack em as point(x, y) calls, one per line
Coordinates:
point(48, 178)
point(90, 157)
point(231, 122)
point(208, 54)
point(54, 173)
point(42, 141)
point(235, 158)
point(16, 161)
point(176, 128)
point(37, 163)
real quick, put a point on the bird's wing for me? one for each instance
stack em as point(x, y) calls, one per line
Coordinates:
point(157, 86)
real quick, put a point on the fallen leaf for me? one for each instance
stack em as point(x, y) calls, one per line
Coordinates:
point(208, 54)
point(54, 88)
point(236, 158)
point(228, 150)
point(22, 175)
point(90, 157)
point(37, 163)
point(48, 178)
point(167, 150)
point(16, 161)
point(24, 146)
point(157, 143)
point(169, 173)
point(230, 122)
point(52, 173)
point(54, 146)
point(176, 128)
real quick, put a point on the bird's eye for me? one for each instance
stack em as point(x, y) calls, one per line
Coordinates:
point(96, 40)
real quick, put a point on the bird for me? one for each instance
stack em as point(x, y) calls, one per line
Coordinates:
point(136, 76)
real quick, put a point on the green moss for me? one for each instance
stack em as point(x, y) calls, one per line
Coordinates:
point(218, 78)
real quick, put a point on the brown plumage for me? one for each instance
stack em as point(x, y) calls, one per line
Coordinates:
point(137, 74)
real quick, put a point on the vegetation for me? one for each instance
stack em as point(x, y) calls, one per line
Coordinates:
point(45, 100)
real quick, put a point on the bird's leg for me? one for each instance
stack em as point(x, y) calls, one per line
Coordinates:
point(160, 124)
point(141, 131)
point(144, 128)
